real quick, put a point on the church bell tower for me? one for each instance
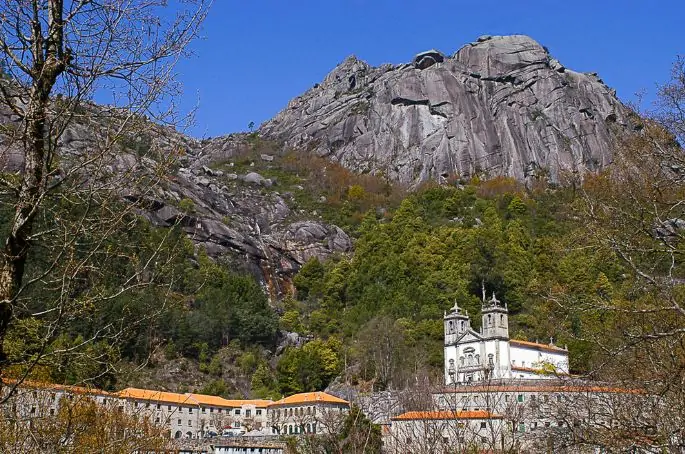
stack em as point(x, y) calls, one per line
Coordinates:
point(495, 318)
point(457, 322)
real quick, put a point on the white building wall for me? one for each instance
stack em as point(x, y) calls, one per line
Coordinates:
point(536, 358)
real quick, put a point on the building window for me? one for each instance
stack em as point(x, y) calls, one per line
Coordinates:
point(483, 425)
point(408, 440)
point(190, 411)
point(522, 427)
point(237, 411)
point(159, 406)
point(520, 398)
point(211, 410)
point(204, 410)
point(258, 412)
point(179, 422)
point(169, 407)
point(157, 419)
point(190, 423)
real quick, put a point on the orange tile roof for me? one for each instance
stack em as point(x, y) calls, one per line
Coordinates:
point(158, 396)
point(537, 346)
point(308, 398)
point(189, 398)
point(476, 414)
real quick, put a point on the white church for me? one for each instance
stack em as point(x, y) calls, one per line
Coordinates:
point(472, 356)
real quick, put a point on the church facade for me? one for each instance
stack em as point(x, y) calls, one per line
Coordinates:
point(488, 354)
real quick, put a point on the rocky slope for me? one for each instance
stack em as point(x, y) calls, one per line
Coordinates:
point(243, 216)
point(498, 106)
point(239, 217)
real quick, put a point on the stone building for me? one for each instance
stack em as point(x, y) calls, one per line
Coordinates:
point(307, 413)
point(476, 356)
point(443, 431)
point(192, 415)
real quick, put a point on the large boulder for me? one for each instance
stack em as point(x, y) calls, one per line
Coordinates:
point(428, 58)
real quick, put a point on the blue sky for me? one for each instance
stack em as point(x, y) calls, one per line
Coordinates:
point(256, 55)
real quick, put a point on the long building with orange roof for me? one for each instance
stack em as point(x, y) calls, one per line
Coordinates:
point(191, 415)
point(445, 431)
point(307, 413)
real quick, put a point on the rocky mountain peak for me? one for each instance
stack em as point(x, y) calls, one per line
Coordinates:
point(499, 106)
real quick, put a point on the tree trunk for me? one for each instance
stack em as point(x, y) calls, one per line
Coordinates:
point(47, 66)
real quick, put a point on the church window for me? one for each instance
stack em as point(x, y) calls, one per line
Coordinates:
point(477, 359)
point(470, 359)
point(463, 325)
point(489, 319)
point(451, 327)
point(501, 320)
point(461, 360)
point(491, 359)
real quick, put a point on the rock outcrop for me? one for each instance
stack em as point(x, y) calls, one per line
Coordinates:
point(499, 106)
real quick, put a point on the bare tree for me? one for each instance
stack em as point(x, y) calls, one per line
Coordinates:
point(67, 164)
point(47, 420)
point(635, 213)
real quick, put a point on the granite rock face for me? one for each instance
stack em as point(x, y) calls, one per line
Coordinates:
point(499, 106)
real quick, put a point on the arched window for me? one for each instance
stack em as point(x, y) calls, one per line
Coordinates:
point(501, 319)
point(189, 435)
point(308, 428)
point(469, 359)
point(461, 360)
point(489, 320)
point(450, 328)
point(477, 359)
point(178, 434)
point(491, 359)
point(463, 325)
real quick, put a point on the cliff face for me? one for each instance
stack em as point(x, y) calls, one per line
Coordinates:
point(498, 106)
